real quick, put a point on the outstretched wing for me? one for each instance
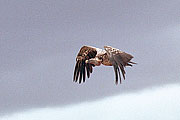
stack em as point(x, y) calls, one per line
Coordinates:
point(81, 67)
point(119, 60)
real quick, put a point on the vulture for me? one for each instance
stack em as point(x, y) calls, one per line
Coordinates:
point(89, 57)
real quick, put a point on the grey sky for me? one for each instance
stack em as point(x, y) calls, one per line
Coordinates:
point(39, 41)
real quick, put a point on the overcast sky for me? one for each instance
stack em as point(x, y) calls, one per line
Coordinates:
point(39, 41)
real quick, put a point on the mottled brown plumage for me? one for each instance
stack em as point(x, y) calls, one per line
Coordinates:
point(81, 67)
point(89, 57)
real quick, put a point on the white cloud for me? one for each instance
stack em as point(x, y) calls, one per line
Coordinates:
point(162, 103)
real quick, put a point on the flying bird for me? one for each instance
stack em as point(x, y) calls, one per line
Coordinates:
point(89, 57)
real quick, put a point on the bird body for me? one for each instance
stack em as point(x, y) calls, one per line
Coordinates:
point(89, 57)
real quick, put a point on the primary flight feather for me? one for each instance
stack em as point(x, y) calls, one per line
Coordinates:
point(89, 57)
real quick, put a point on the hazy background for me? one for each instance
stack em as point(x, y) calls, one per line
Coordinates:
point(39, 41)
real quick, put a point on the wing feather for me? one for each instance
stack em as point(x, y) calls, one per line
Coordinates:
point(88, 70)
point(116, 74)
point(119, 58)
point(78, 70)
point(84, 72)
point(121, 66)
point(81, 67)
point(75, 71)
point(119, 75)
point(81, 72)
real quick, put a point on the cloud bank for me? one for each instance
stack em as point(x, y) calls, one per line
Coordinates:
point(160, 103)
